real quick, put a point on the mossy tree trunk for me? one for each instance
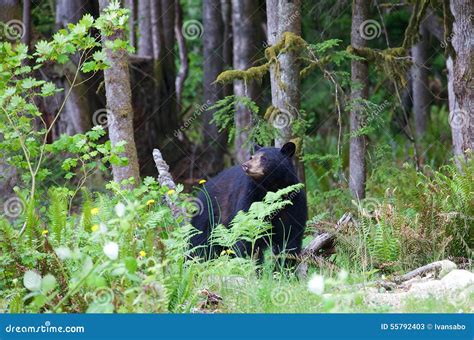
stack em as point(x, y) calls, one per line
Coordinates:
point(359, 77)
point(214, 142)
point(285, 16)
point(461, 113)
point(119, 106)
point(457, 117)
point(248, 36)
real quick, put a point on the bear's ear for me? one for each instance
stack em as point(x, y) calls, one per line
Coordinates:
point(288, 149)
point(256, 147)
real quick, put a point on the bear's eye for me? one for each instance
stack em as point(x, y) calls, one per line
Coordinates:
point(251, 157)
point(263, 158)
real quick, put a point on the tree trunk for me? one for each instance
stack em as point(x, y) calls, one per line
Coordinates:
point(153, 86)
point(131, 5)
point(119, 106)
point(183, 55)
point(461, 117)
point(214, 142)
point(26, 38)
point(419, 75)
point(285, 16)
point(11, 10)
point(144, 44)
point(247, 38)
point(76, 116)
point(227, 49)
point(359, 75)
point(456, 136)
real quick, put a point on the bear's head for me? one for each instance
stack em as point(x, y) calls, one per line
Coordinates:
point(271, 164)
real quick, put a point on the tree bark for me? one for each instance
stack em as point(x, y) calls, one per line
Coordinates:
point(11, 10)
point(285, 16)
point(227, 49)
point(26, 38)
point(419, 75)
point(214, 142)
point(247, 39)
point(144, 43)
point(461, 117)
point(154, 87)
point(76, 115)
point(119, 105)
point(132, 6)
point(359, 76)
point(183, 55)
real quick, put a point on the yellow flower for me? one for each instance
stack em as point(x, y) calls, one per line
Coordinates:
point(142, 253)
point(150, 202)
point(95, 227)
point(45, 232)
point(171, 192)
point(227, 252)
point(94, 211)
point(202, 181)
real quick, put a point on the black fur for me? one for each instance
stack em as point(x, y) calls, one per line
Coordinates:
point(234, 190)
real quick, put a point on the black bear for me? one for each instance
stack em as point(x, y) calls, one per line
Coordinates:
point(236, 188)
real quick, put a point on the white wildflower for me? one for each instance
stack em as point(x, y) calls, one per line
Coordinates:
point(111, 250)
point(120, 209)
point(316, 284)
point(63, 252)
point(343, 275)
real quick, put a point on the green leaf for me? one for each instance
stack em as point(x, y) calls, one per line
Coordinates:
point(62, 59)
point(48, 89)
point(131, 264)
point(99, 56)
point(48, 283)
point(89, 66)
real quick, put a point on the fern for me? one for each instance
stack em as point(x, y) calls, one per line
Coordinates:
point(58, 211)
point(255, 223)
point(86, 210)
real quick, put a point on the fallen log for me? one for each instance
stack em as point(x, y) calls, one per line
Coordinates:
point(435, 267)
point(311, 253)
